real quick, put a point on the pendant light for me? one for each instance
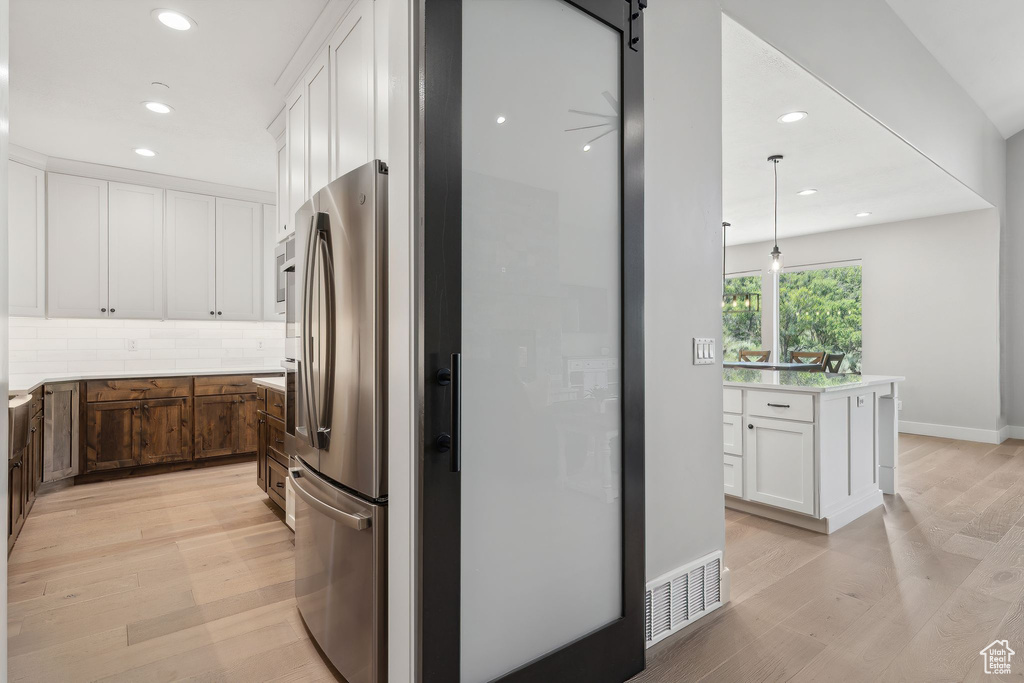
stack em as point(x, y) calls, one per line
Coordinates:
point(776, 253)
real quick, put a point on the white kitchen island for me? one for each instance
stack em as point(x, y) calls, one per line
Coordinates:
point(811, 449)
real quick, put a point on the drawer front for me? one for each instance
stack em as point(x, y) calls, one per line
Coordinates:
point(734, 476)
point(732, 400)
point(131, 389)
point(732, 434)
point(219, 385)
point(275, 440)
point(275, 404)
point(277, 474)
point(786, 405)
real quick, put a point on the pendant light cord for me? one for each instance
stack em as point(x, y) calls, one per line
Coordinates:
point(776, 164)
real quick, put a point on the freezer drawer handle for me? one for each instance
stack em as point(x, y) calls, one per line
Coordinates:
point(357, 522)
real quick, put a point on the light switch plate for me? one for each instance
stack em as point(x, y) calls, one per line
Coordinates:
point(703, 351)
point(861, 400)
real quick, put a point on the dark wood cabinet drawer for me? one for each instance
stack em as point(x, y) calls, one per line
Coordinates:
point(275, 440)
point(219, 385)
point(37, 402)
point(276, 476)
point(275, 404)
point(134, 389)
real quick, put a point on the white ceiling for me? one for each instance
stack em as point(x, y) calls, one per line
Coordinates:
point(854, 162)
point(978, 43)
point(81, 68)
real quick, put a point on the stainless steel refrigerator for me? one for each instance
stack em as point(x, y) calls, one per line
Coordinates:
point(335, 422)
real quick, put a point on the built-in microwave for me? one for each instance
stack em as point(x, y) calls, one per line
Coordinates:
point(284, 263)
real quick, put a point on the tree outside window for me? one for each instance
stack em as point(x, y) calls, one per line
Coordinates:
point(741, 327)
point(820, 310)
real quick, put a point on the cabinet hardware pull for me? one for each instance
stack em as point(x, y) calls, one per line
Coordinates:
point(278, 441)
point(750, 426)
point(16, 465)
point(33, 430)
point(778, 405)
point(103, 310)
point(111, 310)
point(219, 313)
point(49, 392)
point(212, 313)
point(278, 484)
point(278, 405)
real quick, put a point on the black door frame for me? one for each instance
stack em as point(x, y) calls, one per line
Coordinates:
point(614, 652)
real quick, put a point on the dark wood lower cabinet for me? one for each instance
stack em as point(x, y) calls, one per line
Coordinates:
point(166, 431)
point(271, 462)
point(16, 498)
point(112, 435)
point(25, 474)
point(34, 473)
point(226, 425)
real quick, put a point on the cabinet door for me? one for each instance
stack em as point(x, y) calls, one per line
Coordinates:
point(732, 433)
point(76, 247)
point(261, 453)
point(295, 132)
point(111, 435)
point(318, 127)
point(733, 475)
point(34, 468)
point(353, 97)
point(239, 260)
point(135, 236)
point(248, 407)
point(26, 239)
point(166, 434)
point(270, 264)
point(780, 464)
point(216, 425)
point(283, 218)
point(190, 247)
point(15, 498)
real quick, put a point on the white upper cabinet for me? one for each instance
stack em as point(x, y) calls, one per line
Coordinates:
point(239, 260)
point(270, 265)
point(135, 233)
point(353, 98)
point(318, 108)
point(295, 132)
point(26, 225)
point(282, 219)
point(190, 249)
point(76, 247)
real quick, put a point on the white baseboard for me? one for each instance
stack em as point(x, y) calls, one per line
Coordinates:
point(960, 433)
point(1013, 432)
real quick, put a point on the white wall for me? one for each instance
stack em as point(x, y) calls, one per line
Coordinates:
point(60, 345)
point(930, 303)
point(4, 128)
point(683, 249)
point(1013, 284)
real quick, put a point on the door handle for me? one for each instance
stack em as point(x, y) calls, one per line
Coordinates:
point(357, 522)
point(451, 441)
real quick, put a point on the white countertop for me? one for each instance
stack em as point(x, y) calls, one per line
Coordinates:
point(787, 380)
point(23, 384)
point(275, 383)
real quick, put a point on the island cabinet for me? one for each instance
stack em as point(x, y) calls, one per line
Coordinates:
point(812, 451)
point(132, 425)
point(25, 470)
point(272, 463)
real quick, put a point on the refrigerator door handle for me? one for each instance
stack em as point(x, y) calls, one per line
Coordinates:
point(327, 348)
point(305, 367)
point(357, 522)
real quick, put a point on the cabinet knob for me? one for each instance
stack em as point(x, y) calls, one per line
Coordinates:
point(33, 430)
point(278, 484)
point(103, 310)
point(17, 465)
point(111, 310)
point(212, 313)
point(750, 426)
point(219, 313)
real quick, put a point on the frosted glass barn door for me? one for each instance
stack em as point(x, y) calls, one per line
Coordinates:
point(533, 490)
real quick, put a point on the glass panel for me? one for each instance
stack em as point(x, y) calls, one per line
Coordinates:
point(819, 310)
point(541, 319)
point(741, 316)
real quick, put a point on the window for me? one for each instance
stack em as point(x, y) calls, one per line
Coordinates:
point(819, 310)
point(741, 324)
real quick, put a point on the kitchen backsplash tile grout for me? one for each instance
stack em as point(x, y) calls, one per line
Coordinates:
point(62, 345)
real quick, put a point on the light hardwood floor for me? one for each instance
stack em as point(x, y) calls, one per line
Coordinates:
point(910, 592)
point(187, 575)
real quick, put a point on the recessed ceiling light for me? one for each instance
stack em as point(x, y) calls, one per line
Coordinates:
point(158, 107)
point(793, 117)
point(586, 148)
point(500, 119)
point(804, 193)
point(173, 19)
point(143, 152)
point(863, 214)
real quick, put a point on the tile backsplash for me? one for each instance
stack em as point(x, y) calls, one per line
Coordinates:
point(62, 345)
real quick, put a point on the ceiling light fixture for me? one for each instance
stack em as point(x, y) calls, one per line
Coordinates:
point(173, 19)
point(793, 117)
point(808, 191)
point(863, 214)
point(776, 253)
point(500, 119)
point(143, 152)
point(586, 147)
point(158, 107)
